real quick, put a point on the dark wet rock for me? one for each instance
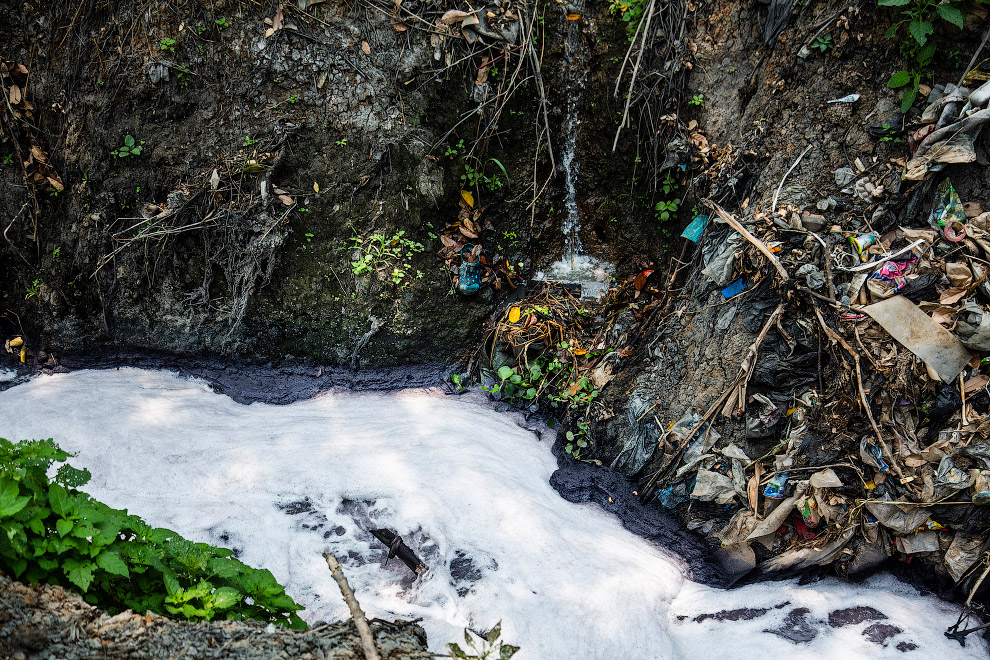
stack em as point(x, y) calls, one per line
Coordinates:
point(796, 627)
point(904, 647)
point(741, 614)
point(852, 615)
point(879, 633)
point(584, 482)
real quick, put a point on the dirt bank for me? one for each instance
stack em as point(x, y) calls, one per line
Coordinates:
point(46, 621)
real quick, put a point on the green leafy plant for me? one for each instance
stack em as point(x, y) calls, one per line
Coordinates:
point(381, 254)
point(222, 23)
point(32, 289)
point(7, 160)
point(667, 209)
point(455, 378)
point(294, 98)
point(249, 141)
point(168, 44)
point(698, 100)
point(56, 252)
point(342, 142)
point(54, 533)
point(129, 148)
point(475, 178)
point(577, 441)
point(823, 42)
point(489, 647)
point(889, 134)
point(629, 11)
point(918, 16)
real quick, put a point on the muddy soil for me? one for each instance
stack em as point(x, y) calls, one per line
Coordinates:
point(266, 158)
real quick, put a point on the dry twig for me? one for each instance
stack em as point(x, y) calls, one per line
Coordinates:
point(367, 639)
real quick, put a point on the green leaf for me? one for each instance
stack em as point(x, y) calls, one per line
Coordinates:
point(495, 632)
point(129, 141)
point(507, 652)
point(504, 372)
point(515, 378)
point(136, 150)
point(891, 31)
point(920, 31)
point(893, 3)
point(569, 435)
point(456, 652)
point(10, 501)
point(112, 563)
point(582, 443)
point(80, 573)
point(172, 585)
point(63, 526)
point(535, 372)
point(569, 448)
point(62, 504)
point(899, 79)
point(71, 477)
point(531, 393)
point(225, 597)
point(951, 14)
point(910, 95)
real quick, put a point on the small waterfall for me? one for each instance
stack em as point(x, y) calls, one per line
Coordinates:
point(574, 267)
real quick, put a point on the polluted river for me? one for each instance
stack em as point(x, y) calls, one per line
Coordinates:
point(468, 489)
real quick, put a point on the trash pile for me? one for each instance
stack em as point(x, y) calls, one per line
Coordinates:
point(860, 414)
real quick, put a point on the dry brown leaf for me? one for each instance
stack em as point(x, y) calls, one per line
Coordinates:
point(467, 232)
point(285, 199)
point(15, 95)
point(366, 48)
point(977, 382)
point(470, 226)
point(56, 184)
point(952, 295)
point(467, 197)
point(398, 26)
point(483, 71)
point(573, 17)
point(454, 15)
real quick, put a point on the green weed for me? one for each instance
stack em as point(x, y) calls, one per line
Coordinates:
point(57, 534)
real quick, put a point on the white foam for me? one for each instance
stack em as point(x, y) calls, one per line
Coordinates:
point(592, 274)
point(456, 480)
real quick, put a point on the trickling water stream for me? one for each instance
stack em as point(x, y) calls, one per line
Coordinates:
point(468, 489)
point(575, 267)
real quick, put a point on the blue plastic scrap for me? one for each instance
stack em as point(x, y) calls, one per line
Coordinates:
point(734, 289)
point(697, 227)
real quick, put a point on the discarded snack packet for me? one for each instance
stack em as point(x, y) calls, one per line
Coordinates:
point(775, 487)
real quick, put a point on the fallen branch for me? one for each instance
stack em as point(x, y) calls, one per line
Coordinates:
point(732, 222)
point(367, 640)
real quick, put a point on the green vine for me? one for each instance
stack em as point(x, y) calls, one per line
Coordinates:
point(918, 16)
